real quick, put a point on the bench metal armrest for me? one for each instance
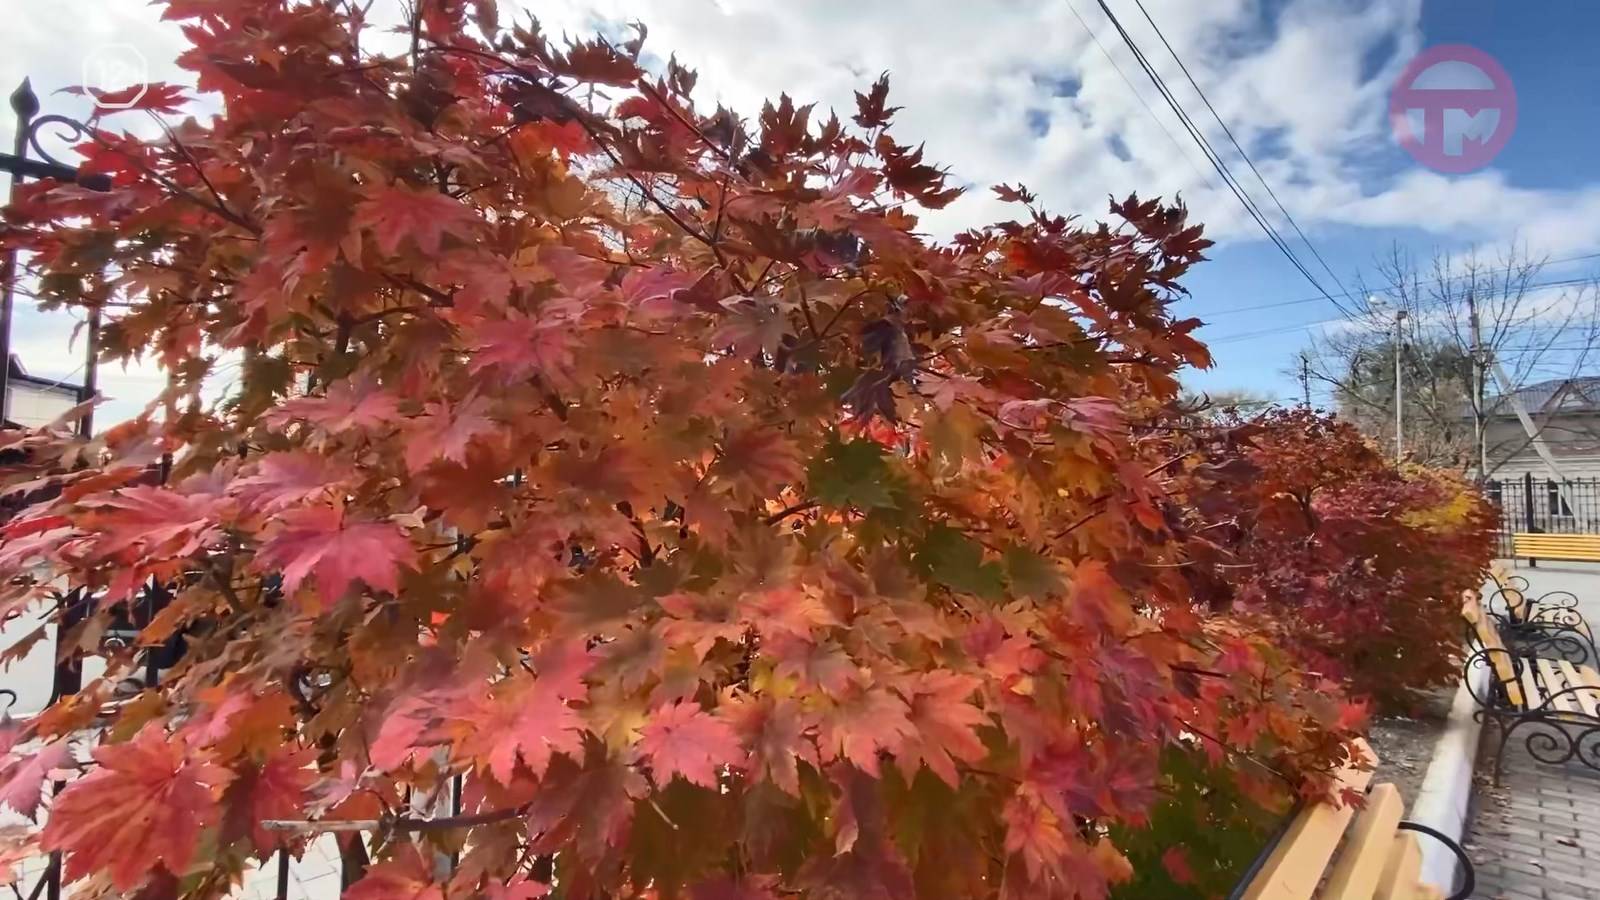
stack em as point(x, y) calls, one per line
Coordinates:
point(1484, 658)
point(1470, 882)
point(1509, 606)
point(1557, 606)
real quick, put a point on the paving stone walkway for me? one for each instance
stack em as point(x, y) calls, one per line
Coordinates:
point(1537, 836)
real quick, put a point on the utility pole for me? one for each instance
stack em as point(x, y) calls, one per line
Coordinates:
point(1305, 380)
point(1399, 405)
point(1480, 364)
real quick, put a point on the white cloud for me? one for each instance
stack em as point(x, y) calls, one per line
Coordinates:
point(1017, 91)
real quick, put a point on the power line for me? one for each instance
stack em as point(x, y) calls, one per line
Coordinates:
point(1236, 145)
point(1210, 153)
point(1072, 7)
point(1430, 281)
point(1301, 326)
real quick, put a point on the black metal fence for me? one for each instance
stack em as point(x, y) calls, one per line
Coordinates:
point(1545, 506)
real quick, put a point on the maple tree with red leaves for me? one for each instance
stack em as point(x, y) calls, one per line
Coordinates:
point(1357, 564)
point(642, 465)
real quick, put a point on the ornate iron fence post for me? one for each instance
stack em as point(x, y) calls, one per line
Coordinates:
point(25, 105)
point(67, 674)
point(1527, 510)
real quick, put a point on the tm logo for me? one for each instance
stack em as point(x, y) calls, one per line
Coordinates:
point(116, 75)
point(1453, 108)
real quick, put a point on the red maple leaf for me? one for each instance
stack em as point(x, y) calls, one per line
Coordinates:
point(825, 666)
point(317, 540)
point(1033, 830)
point(406, 876)
point(145, 806)
point(154, 517)
point(518, 889)
point(944, 725)
point(25, 778)
point(682, 739)
point(396, 213)
point(287, 479)
point(352, 403)
point(1176, 862)
point(444, 432)
point(275, 789)
point(759, 460)
point(533, 724)
point(774, 732)
point(523, 345)
point(862, 724)
point(156, 96)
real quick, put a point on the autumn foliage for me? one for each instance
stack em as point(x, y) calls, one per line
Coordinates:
point(1354, 563)
point(642, 465)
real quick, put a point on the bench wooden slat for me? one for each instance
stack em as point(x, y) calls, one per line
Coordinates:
point(1489, 637)
point(1366, 850)
point(1555, 683)
point(1296, 864)
point(1530, 687)
point(1402, 872)
point(1554, 538)
point(1583, 676)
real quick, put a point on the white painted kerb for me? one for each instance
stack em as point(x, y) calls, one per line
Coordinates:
point(1446, 795)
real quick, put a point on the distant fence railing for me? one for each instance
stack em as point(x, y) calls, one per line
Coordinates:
point(1545, 506)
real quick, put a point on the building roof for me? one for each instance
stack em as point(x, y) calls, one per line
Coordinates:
point(1556, 396)
point(17, 373)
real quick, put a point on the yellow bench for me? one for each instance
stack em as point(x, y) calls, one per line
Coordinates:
point(1578, 547)
point(1341, 853)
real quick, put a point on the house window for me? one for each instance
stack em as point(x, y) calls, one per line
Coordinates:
point(1555, 502)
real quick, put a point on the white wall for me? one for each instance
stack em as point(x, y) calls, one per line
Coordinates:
point(31, 406)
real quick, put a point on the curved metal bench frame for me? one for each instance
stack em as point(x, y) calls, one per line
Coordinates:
point(1559, 735)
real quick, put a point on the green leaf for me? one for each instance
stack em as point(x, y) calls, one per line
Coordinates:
point(854, 474)
point(956, 561)
point(1032, 575)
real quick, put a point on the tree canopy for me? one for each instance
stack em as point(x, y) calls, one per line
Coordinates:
point(640, 463)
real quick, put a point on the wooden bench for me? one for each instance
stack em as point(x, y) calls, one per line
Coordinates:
point(1342, 853)
point(1522, 617)
point(1534, 682)
point(1533, 546)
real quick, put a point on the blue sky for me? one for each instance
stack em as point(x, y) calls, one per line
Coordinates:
point(1548, 50)
point(1018, 90)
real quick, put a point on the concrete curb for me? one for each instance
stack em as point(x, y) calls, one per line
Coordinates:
point(1445, 799)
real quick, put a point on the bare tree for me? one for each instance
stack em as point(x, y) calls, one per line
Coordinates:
point(1224, 402)
point(1471, 333)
